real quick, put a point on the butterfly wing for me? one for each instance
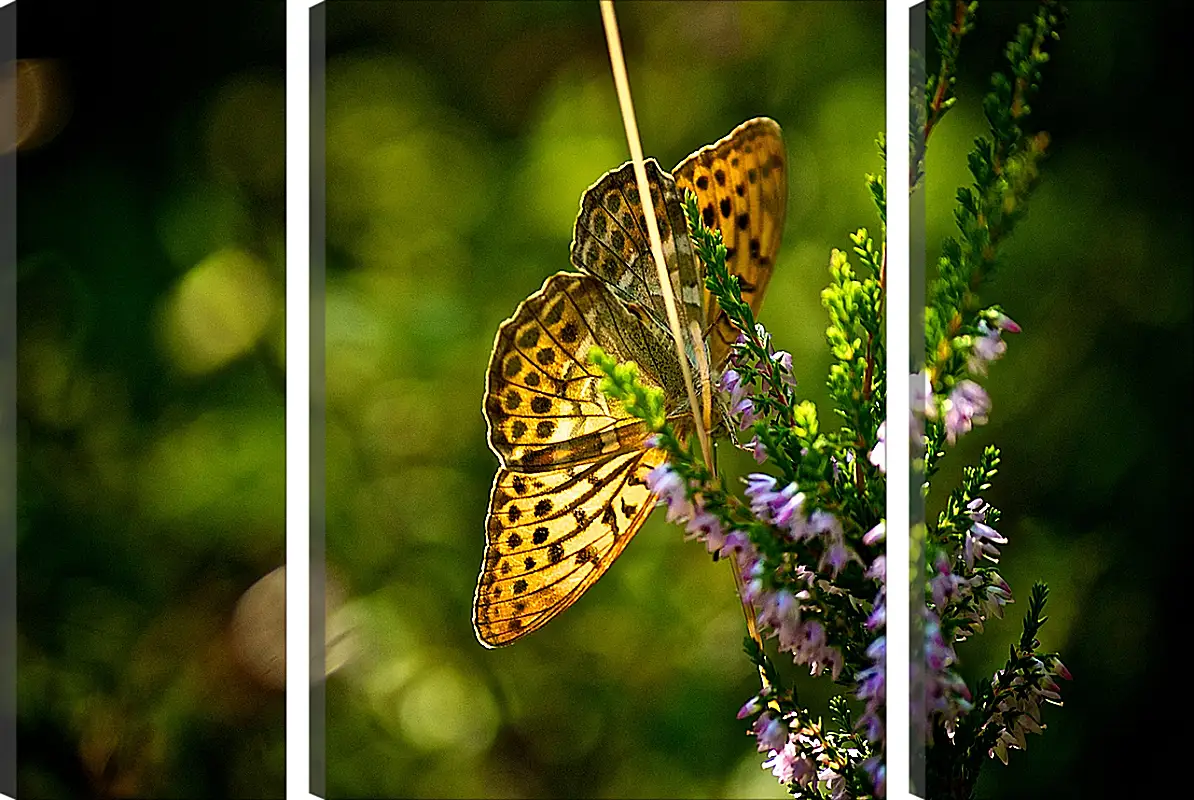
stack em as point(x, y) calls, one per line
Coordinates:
point(551, 535)
point(741, 187)
point(543, 400)
point(610, 242)
point(569, 495)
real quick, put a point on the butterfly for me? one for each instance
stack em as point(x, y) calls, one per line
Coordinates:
point(570, 490)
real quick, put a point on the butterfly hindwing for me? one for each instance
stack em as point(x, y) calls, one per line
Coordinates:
point(742, 190)
point(551, 535)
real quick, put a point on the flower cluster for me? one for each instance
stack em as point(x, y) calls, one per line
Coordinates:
point(946, 695)
point(963, 593)
point(806, 757)
point(988, 344)
point(804, 539)
point(761, 365)
point(967, 404)
point(1020, 695)
point(778, 610)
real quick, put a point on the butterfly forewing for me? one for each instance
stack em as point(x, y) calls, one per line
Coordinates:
point(742, 190)
point(543, 399)
point(550, 535)
point(610, 242)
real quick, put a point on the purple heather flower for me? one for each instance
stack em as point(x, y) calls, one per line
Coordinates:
point(875, 767)
point(981, 540)
point(836, 783)
point(1057, 668)
point(922, 400)
point(783, 763)
point(878, 455)
point(731, 382)
point(758, 484)
point(878, 569)
point(745, 408)
point(836, 555)
point(836, 552)
point(738, 545)
point(872, 689)
point(966, 406)
point(876, 651)
point(875, 534)
point(771, 732)
point(783, 509)
point(977, 509)
point(872, 681)
point(945, 585)
point(670, 487)
point(938, 653)
point(753, 706)
point(811, 648)
point(705, 527)
point(1003, 322)
point(995, 595)
point(739, 403)
point(987, 347)
point(786, 505)
point(878, 615)
point(753, 589)
point(788, 765)
point(780, 611)
point(783, 363)
point(988, 344)
point(757, 449)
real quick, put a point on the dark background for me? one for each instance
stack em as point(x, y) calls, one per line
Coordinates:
point(1090, 403)
point(460, 138)
point(150, 400)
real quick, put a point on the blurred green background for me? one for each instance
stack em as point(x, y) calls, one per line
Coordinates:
point(151, 433)
point(1090, 403)
point(460, 138)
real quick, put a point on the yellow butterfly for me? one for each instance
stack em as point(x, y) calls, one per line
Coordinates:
point(570, 493)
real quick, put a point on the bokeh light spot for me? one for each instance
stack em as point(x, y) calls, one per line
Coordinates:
point(218, 311)
point(443, 709)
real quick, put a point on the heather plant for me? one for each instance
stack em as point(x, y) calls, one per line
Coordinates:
point(968, 726)
point(806, 536)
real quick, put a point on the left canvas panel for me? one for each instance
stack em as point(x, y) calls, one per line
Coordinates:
point(143, 491)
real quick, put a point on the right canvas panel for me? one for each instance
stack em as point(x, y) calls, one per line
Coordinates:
point(1049, 404)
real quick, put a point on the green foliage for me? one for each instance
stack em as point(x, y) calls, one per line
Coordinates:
point(621, 384)
point(877, 182)
point(1005, 168)
point(952, 522)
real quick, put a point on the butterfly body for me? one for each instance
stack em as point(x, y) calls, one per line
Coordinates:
point(570, 490)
